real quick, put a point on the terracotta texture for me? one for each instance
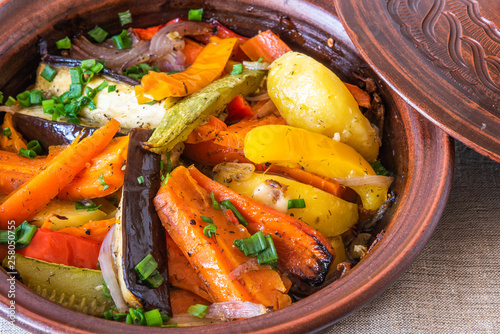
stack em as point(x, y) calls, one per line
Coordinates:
point(419, 154)
point(443, 56)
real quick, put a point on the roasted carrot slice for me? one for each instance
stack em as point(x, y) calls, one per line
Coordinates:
point(15, 141)
point(180, 272)
point(181, 300)
point(109, 163)
point(33, 195)
point(362, 97)
point(180, 205)
point(266, 45)
point(303, 252)
point(209, 153)
point(320, 182)
point(95, 230)
point(207, 131)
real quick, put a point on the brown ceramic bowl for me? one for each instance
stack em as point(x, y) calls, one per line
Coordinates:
point(420, 155)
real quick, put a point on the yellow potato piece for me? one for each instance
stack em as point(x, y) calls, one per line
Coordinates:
point(67, 209)
point(293, 147)
point(310, 96)
point(326, 213)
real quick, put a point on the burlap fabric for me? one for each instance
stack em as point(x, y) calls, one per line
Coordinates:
point(454, 286)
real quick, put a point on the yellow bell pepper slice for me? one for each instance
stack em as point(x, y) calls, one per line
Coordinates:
point(293, 147)
point(325, 212)
point(207, 67)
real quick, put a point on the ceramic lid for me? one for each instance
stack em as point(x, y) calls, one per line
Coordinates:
point(441, 56)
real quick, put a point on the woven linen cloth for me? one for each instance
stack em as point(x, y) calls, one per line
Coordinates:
point(454, 286)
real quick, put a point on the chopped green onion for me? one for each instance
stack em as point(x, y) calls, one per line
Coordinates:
point(24, 234)
point(155, 279)
point(122, 41)
point(268, 255)
point(228, 205)
point(198, 310)
point(76, 75)
point(1, 97)
point(215, 204)
point(98, 34)
point(102, 182)
point(128, 319)
point(379, 169)
point(171, 325)
point(195, 14)
point(111, 88)
point(36, 97)
point(75, 90)
point(7, 132)
point(140, 179)
point(252, 245)
point(34, 145)
point(48, 73)
point(24, 99)
point(125, 17)
point(237, 69)
point(89, 75)
point(118, 316)
point(105, 291)
point(90, 206)
point(103, 85)
point(27, 153)
point(88, 63)
point(153, 318)
point(166, 179)
point(97, 68)
point(168, 167)
point(137, 316)
point(260, 59)
point(164, 316)
point(108, 314)
point(297, 203)
point(90, 92)
point(206, 219)
point(146, 267)
point(161, 165)
point(10, 101)
point(209, 229)
point(64, 43)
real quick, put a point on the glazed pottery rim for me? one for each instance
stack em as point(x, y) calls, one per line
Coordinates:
point(314, 312)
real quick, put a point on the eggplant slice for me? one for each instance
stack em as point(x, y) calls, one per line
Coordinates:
point(139, 231)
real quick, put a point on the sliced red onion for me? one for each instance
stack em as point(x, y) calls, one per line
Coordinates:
point(114, 58)
point(242, 269)
point(234, 310)
point(10, 109)
point(372, 180)
point(174, 61)
point(162, 43)
point(256, 65)
point(108, 273)
point(266, 109)
point(258, 97)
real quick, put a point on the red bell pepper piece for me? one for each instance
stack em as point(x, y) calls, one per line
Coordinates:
point(62, 248)
point(237, 109)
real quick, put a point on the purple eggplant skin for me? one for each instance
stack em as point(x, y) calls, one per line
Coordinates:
point(142, 231)
point(49, 133)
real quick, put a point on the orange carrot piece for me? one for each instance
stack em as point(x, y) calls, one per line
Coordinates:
point(266, 45)
point(302, 251)
point(180, 272)
point(209, 153)
point(16, 170)
point(207, 131)
point(180, 203)
point(95, 230)
point(306, 177)
point(191, 50)
point(35, 194)
point(15, 141)
point(181, 300)
point(234, 136)
point(109, 164)
point(362, 97)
